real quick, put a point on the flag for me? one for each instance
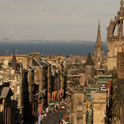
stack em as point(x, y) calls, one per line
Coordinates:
point(40, 109)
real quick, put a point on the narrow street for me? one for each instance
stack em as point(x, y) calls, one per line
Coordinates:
point(53, 119)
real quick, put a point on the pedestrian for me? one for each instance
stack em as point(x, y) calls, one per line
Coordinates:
point(40, 119)
point(60, 122)
point(41, 122)
point(55, 107)
point(45, 115)
point(47, 110)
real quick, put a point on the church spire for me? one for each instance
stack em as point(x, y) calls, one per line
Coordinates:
point(122, 3)
point(99, 33)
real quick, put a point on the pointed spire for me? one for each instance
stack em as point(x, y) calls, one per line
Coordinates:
point(13, 61)
point(89, 60)
point(122, 3)
point(99, 33)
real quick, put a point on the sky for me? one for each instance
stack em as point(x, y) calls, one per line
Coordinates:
point(55, 19)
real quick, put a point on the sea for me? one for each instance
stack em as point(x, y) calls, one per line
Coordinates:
point(48, 48)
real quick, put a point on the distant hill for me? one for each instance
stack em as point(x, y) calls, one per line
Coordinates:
point(8, 40)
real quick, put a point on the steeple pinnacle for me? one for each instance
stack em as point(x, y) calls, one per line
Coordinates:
point(99, 33)
point(89, 60)
point(122, 3)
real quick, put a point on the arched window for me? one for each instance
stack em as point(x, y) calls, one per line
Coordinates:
point(115, 51)
point(120, 48)
point(116, 30)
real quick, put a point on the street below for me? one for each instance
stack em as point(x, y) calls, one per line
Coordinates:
point(54, 118)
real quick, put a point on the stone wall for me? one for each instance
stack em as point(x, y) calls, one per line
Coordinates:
point(78, 109)
point(120, 65)
point(99, 108)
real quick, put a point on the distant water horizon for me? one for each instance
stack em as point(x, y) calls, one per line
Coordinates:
point(49, 48)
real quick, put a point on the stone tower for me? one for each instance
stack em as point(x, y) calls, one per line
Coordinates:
point(115, 38)
point(98, 51)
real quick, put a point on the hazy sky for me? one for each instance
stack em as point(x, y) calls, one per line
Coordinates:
point(55, 19)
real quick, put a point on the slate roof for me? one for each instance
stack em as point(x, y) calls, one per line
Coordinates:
point(37, 63)
point(89, 60)
point(5, 84)
point(5, 92)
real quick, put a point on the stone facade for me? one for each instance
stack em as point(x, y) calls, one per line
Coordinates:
point(115, 39)
point(116, 99)
point(6, 107)
point(78, 108)
point(120, 65)
point(116, 104)
point(99, 107)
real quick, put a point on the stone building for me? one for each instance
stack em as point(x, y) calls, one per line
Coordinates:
point(99, 107)
point(76, 90)
point(42, 82)
point(13, 76)
point(98, 51)
point(115, 38)
point(78, 106)
point(120, 65)
point(6, 112)
point(116, 100)
point(31, 81)
point(116, 107)
point(12, 71)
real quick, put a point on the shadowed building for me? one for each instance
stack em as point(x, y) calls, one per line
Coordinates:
point(89, 69)
point(5, 105)
point(116, 103)
point(42, 82)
